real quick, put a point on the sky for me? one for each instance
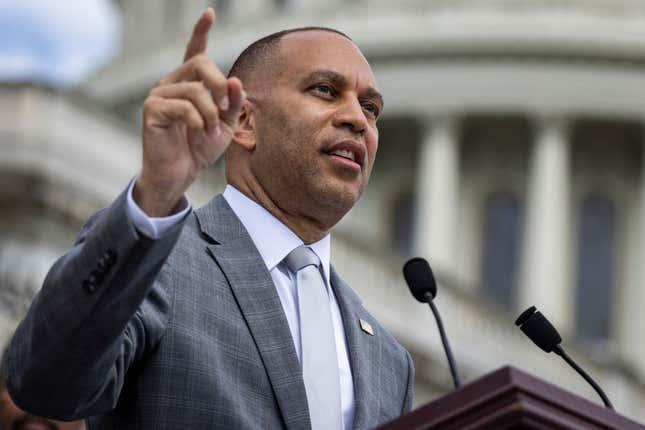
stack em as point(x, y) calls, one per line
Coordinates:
point(58, 43)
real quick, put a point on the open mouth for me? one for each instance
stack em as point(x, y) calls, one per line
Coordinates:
point(345, 153)
point(348, 153)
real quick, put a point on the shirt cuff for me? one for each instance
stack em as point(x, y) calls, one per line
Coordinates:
point(153, 227)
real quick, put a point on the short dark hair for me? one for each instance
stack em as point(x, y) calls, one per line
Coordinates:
point(261, 52)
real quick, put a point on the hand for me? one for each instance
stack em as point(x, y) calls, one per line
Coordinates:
point(189, 119)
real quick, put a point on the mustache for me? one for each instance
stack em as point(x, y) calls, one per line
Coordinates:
point(22, 422)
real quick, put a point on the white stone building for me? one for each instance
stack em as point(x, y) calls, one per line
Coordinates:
point(511, 156)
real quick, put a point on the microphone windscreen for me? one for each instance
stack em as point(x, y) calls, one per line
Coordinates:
point(419, 277)
point(538, 329)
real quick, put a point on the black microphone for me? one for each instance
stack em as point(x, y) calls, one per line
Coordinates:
point(543, 334)
point(419, 277)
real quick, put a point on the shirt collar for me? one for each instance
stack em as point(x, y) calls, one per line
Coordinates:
point(271, 237)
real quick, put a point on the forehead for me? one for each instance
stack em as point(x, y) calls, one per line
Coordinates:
point(305, 51)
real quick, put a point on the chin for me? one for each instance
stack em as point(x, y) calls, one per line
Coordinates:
point(341, 196)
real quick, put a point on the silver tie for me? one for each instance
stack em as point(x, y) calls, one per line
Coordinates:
point(319, 359)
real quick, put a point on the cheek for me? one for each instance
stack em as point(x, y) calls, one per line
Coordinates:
point(280, 124)
point(372, 145)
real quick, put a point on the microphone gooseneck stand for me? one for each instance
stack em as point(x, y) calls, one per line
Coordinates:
point(444, 341)
point(423, 286)
point(560, 351)
point(540, 330)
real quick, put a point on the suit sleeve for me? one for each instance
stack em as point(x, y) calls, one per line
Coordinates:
point(97, 313)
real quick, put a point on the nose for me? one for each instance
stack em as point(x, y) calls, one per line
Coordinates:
point(350, 115)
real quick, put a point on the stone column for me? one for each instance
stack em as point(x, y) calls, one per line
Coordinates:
point(630, 318)
point(437, 192)
point(546, 257)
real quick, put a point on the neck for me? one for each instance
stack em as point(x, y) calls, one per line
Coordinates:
point(308, 228)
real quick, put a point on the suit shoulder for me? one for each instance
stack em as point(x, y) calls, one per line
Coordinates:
point(390, 342)
point(189, 237)
point(367, 321)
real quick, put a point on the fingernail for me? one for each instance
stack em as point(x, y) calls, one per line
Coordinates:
point(223, 103)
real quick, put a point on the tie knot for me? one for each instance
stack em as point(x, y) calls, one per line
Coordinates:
point(301, 257)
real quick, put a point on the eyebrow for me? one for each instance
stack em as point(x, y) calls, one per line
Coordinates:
point(340, 81)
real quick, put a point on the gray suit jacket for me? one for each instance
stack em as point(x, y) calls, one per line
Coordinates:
point(183, 332)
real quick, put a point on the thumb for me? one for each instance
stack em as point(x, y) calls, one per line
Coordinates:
point(236, 97)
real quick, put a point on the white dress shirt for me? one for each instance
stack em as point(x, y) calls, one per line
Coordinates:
point(274, 242)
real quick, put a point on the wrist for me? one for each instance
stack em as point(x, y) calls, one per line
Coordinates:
point(157, 201)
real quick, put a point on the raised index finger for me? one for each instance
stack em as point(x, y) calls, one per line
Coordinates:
point(199, 39)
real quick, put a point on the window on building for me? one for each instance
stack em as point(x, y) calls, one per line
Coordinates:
point(403, 223)
point(595, 271)
point(502, 247)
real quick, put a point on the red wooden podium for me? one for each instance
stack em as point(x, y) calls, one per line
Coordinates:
point(511, 399)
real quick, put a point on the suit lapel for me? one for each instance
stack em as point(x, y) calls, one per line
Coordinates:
point(260, 305)
point(363, 351)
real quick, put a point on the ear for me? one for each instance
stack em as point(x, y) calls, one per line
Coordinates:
point(244, 134)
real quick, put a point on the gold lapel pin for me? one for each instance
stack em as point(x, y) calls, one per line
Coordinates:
point(366, 327)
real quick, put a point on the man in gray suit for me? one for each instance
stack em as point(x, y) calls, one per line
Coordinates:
point(161, 317)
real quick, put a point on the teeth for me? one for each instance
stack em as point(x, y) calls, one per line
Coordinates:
point(345, 154)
